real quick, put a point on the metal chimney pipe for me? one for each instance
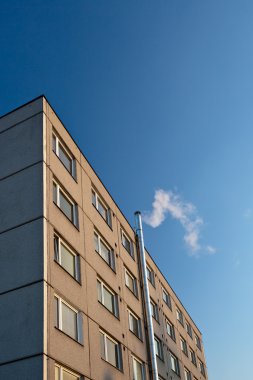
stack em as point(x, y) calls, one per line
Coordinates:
point(139, 233)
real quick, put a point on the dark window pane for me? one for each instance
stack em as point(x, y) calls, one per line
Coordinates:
point(66, 206)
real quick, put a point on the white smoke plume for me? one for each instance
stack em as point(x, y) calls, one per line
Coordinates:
point(168, 202)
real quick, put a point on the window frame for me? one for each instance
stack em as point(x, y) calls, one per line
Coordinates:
point(155, 307)
point(135, 286)
point(111, 263)
point(118, 352)
point(202, 367)
point(198, 342)
point(193, 356)
point(98, 199)
point(74, 212)
point(186, 373)
point(78, 321)
point(66, 151)
point(188, 329)
point(168, 298)
point(131, 244)
point(176, 361)
point(158, 348)
point(183, 345)
point(142, 364)
point(172, 328)
point(58, 243)
point(61, 369)
point(150, 275)
point(138, 320)
point(180, 316)
point(115, 302)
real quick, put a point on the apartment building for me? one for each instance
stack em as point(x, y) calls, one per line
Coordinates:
point(71, 295)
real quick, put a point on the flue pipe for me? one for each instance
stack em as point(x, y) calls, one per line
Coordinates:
point(151, 340)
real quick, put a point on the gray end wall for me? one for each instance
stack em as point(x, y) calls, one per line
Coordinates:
point(21, 244)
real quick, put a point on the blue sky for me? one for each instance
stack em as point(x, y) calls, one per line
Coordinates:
point(159, 95)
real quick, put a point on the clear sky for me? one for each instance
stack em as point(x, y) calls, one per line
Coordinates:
point(159, 95)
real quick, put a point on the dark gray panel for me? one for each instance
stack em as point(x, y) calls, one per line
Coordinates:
point(21, 256)
point(21, 146)
point(21, 197)
point(21, 323)
point(21, 114)
point(27, 369)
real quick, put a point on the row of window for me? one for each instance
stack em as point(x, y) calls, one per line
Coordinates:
point(69, 320)
point(167, 299)
point(111, 353)
point(69, 207)
point(106, 252)
point(69, 260)
point(186, 324)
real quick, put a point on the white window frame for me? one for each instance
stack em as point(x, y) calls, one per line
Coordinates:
point(98, 198)
point(142, 367)
point(188, 328)
point(193, 356)
point(175, 358)
point(180, 316)
point(111, 263)
point(186, 373)
point(183, 345)
point(131, 252)
point(198, 342)
point(155, 307)
point(59, 189)
point(138, 320)
point(129, 274)
point(158, 347)
point(202, 368)
point(115, 305)
point(167, 297)
point(119, 364)
point(79, 326)
point(58, 142)
point(61, 369)
point(150, 275)
point(58, 259)
point(172, 328)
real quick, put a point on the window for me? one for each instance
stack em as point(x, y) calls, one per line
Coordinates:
point(180, 317)
point(104, 250)
point(202, 368)
point(62, 373)
point(188, 329)
point(102, 208)
point(197, 340)
point(64, 155)
point(187, 374)
point(127, 243)
point(154, 310)
point(110, 350)
point(135, 324)
point(183, 345)
point(65, 203)
point(193, 357)
point(174, 364)
point(65, 256)
point(107, 298)
point(138, 369)
point(68, 320)
point(150, 275)
point(166, 298)
point(131, 282)
point(158, 348)
point(170, 330)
